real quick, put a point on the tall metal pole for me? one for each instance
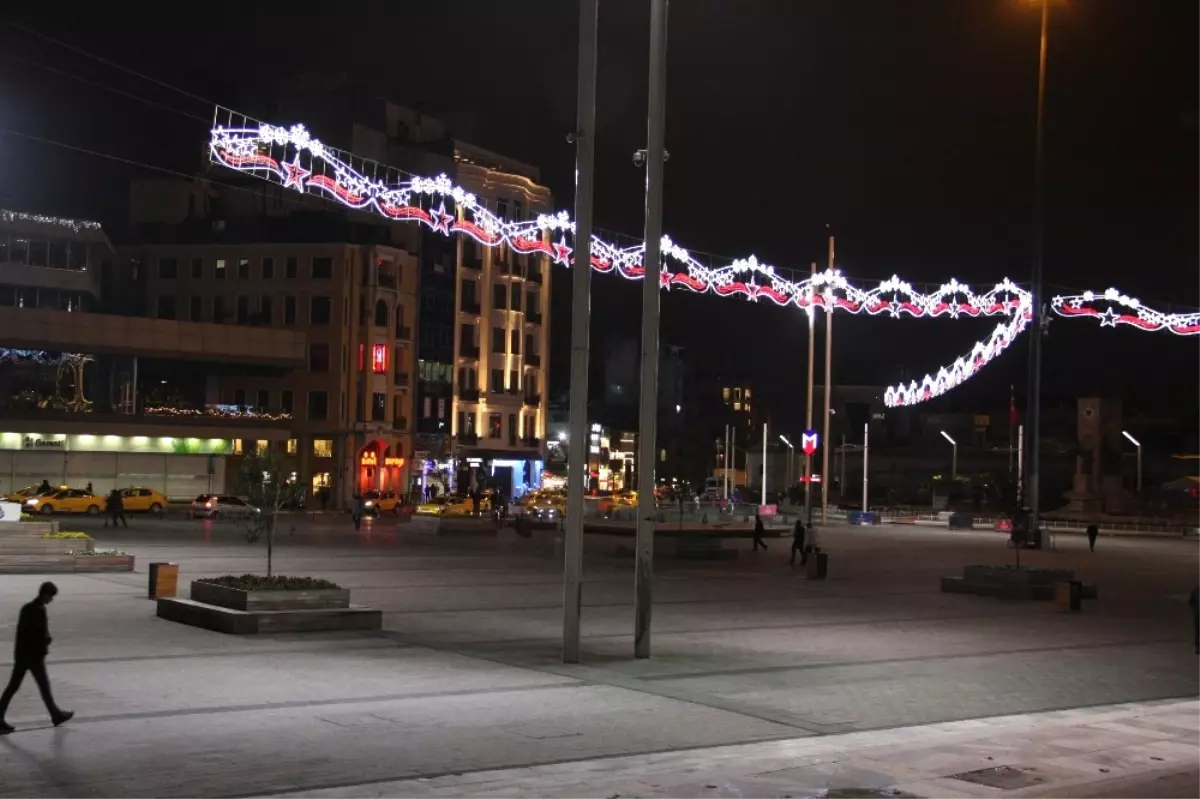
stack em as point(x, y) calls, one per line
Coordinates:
point(585, 147)
point(808, 412)
point(828, 399)
point(647, 415)
point(763, 464)
point(1020, 454)
point(866, 451)
point(842, 473)
point(1035, 342)
point(725, 464)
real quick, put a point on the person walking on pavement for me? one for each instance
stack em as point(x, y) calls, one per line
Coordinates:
point(29, 655)
point(798, 544)
point(1093, 530)
point(1193, 600)
point(115, 508)
point(357, 511)
point(758, 533)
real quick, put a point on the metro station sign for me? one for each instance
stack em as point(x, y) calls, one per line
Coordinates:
point(809, 441)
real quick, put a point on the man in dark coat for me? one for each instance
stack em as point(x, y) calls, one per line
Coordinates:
point(29, 655)
point(115, 508)
point(1093, 530)
point(759, 529)
point(798, 544)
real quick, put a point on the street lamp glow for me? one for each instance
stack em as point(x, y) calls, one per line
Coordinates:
point(946, 436)
point(783, 438)
point(953, 456)
point(1132, 440)
point(1137, 444)
point(562, 436)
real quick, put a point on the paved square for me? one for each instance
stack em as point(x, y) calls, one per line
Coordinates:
point(466, 676)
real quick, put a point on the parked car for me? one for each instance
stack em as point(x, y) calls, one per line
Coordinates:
point(65, 500)
point(453, 505)
point(215, 506)
point(145, 500)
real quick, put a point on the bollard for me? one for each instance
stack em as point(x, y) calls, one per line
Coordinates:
point(818, 565)
point(164, 580)
point(1068, 595)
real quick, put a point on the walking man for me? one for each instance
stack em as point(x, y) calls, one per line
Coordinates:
point(758, 533)
point(115, 507)
point(1093, 530)
point(1193, 600)
point(357, 511)
point(29, 655)
point(798, 544)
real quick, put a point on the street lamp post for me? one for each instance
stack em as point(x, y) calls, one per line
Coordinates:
point(791, 458)
point(953, 456)
point(1137, 444)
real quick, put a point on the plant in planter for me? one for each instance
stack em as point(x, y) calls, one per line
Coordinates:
point(108, 553)
point(66, 536)
point(266, 481)
point(256, 582)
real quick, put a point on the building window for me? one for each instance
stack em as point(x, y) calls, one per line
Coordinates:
point(237, 447)
point(318, 405)
point(514, 381)
point(166, 307)
point(196, 309)
point(517, 210)
point(265, 311)
point(220, 315)
point(320, 311)
point(497, 385)
point(243, 268)
point(291, 446)
point(318, 358)
point(168, 268)
point(239, 397)
point(286, 402)
point(290, 268)
point(499, 294)
point(498, 340)
point(219, 270)
point(264, 399)
point(197, 268)
point(289, 310)
point(512, 429)
point(378, 407)
point(322, 268)
point(243, 310)
point(515, 341)
point(531, 303)
point(494, 422)
point(502, 208)
point(268, 268)
point(323, 447)
point(379, 359)
point(381, 314)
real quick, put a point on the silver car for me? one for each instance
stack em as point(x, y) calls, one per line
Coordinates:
point(215, 506)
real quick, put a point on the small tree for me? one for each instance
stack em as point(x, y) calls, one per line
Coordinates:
point(266, 483)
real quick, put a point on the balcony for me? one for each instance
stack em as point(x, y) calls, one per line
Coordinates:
point(535, 274)
point(475, 263)
point(403, 380)
point(404, 334)
point(534, 317)
point(503, 268)
point(468, 394)
point(533, 360)
point(469, 306)
point(468, 351)
point(469, 439)
point(400, 423)
point(533, 399)
point(531, 443)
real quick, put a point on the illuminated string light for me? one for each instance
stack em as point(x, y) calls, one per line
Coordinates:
point(42, 357)
point(74, 225)
point(317, 169)
point(1113, 308)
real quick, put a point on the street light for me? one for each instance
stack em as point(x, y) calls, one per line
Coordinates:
point(1137, 444)
point(791, 458)
point(953, 457)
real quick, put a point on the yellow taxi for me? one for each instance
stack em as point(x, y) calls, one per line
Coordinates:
point(29, 492)
point(65, 500)
point(453, 505)
point(377, 502)
point(146, 500)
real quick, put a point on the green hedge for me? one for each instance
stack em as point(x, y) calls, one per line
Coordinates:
point(257, 582)
point(66, 536)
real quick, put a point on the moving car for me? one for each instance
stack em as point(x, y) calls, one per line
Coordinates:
point(29, 492)
point(145, 500)
point(377, 502)
point(214, 506)
point(65, 500)
point(453, 505)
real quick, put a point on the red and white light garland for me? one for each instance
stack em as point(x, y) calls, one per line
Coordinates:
point(294, 159)
point(1113, 308)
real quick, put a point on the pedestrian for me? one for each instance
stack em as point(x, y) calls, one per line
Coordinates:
point(115, 508)
point(45, 488)
point(324, 494)
point(29, 655)
point(758, 533)
point(1193, 600)
point(798, 544)
point(357, 511)
point(1093, 530)
point(89, 487)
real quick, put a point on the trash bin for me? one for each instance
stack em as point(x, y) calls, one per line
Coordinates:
point(818, 565)
point(1068, 595)
point(164, 579)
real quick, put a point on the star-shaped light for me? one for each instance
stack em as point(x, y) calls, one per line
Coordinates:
point(561, 251)
point(1109, 318)
point(295, 174)
point(440, 220)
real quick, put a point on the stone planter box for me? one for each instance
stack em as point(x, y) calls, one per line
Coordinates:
point(1012, 583)
point(237, 599)
point(60, 562)
point(241, 622)
point(103, 563)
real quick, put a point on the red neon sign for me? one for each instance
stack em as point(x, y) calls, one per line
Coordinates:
point(379, 359)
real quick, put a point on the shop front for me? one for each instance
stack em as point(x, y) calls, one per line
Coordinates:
point(378, 469)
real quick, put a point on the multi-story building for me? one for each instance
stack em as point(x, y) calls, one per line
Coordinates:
point(350, 404)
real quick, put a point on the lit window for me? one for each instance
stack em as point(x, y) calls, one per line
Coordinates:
point(747, 393)
point(379, 359)
point(291, 446)
point(737, 406)
point(262, 447)
point(237, 446)
point(323, 447)
point(725, 394)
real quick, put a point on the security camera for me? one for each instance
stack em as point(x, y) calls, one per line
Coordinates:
point(639, 159)
point(573, 136)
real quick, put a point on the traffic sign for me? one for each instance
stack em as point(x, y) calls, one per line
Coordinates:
point(809, 441)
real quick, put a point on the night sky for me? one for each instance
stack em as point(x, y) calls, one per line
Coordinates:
point(905, 127)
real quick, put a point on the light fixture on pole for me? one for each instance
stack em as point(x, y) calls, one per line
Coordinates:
point(791, 458)
point(953, 457)
point(1137, 444)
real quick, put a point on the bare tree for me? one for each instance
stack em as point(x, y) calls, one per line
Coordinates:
point(266, 483)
